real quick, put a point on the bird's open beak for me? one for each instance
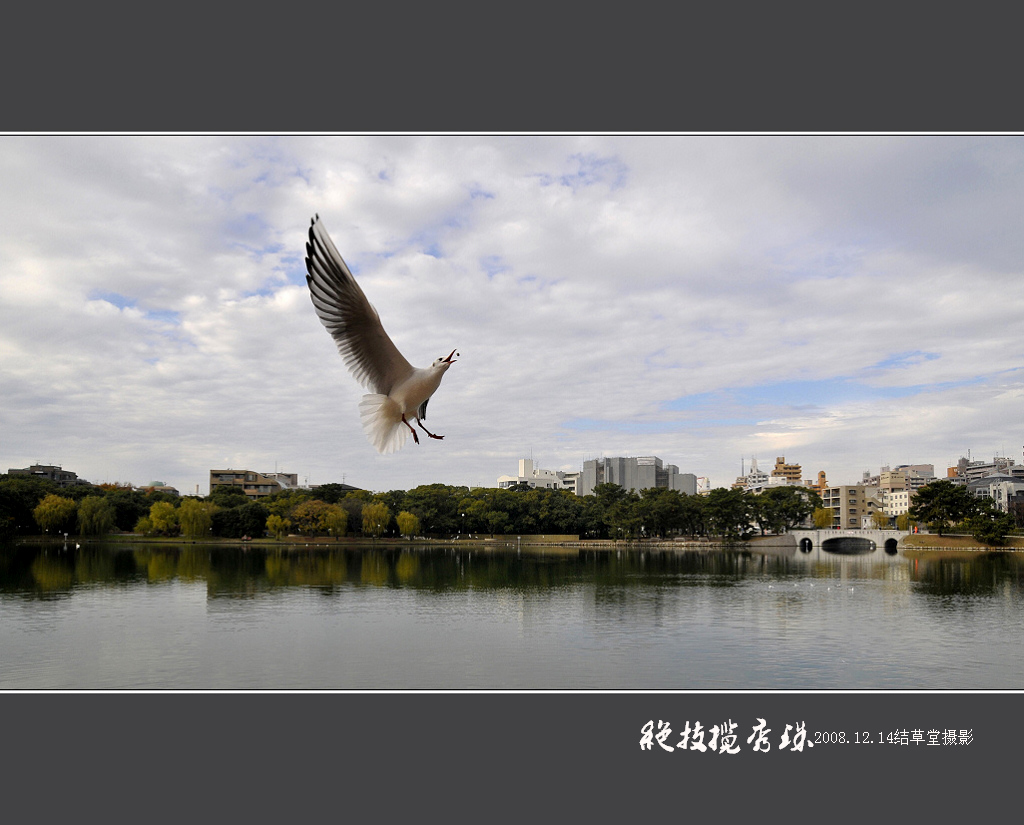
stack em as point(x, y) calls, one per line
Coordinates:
point(449, 359)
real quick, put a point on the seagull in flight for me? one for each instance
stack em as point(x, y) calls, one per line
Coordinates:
point(399, 391)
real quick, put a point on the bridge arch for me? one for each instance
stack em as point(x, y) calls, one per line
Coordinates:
point(849, 545)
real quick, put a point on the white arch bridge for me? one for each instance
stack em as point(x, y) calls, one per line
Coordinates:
point(851, 542)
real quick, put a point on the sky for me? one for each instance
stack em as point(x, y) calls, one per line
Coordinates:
point(847, 302)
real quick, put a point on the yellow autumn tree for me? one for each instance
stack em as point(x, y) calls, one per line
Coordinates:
point(376, 517)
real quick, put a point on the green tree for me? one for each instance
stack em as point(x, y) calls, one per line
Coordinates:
point(437, 506)
point(285, 501)
point(228, 496)
point(376, 517)
point(778, 509)
point(660, 511)
point(943, 503)
point(728, 513)
point(608, 506)
point(408, 524)
point(55, 514)
point(129, 506)
point(332, 493)
point(991, 528)
point(498, 522)
point(196, 517)
point(96, 516)
point(692, 515)
point(19, 496)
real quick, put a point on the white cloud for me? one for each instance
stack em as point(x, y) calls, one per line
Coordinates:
point(154, 321)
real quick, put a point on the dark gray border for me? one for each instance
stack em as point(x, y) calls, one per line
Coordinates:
point(478, 757)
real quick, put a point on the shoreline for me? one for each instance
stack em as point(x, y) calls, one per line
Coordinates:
point(913, 545)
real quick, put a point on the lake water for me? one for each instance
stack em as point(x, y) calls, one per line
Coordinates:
point(219, 617)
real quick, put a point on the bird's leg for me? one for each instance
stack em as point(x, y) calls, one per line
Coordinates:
point(438, 437)
point(415, 437)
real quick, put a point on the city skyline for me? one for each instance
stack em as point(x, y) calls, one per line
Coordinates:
point(848, 302)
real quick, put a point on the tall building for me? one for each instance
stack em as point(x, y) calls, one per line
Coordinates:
point(822, 484)
point(790, 472)
point(254, 485)
point(852, 505)
point(640, 473)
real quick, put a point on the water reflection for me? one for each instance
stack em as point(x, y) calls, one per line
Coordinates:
point(394, 617)
point(53, 571)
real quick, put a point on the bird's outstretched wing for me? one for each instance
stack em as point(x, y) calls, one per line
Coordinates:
point(368, 352)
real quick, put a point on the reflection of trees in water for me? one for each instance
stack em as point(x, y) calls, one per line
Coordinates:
point(54, 570)
point(242, 572)
point(982, 576)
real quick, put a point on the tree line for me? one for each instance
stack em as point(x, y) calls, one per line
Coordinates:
point(32, 505)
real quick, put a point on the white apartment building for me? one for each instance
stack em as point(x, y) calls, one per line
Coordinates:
point(532, 475)
point(895, 502)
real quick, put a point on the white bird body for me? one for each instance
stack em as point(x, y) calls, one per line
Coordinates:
point(399, 390)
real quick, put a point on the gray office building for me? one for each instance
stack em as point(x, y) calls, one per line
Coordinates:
point(641, 473)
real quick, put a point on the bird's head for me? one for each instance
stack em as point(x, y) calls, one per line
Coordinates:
point(443, 363)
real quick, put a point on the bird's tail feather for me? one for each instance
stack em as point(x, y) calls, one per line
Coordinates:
point(382, 423)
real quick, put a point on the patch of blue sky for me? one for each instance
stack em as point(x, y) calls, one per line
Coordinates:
point(807, 394)
point(248, 224)
point(258, 252)
point(901, 360)
point(115, 298)
point(697, 401)
point(164, 316)
point(605, 425)
point(476, 192)
point(810, 394)
point(428, 241)
point(293, 268)
point(654, 426)
point(493, 265)
point(262, 292)
point(590, 170)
